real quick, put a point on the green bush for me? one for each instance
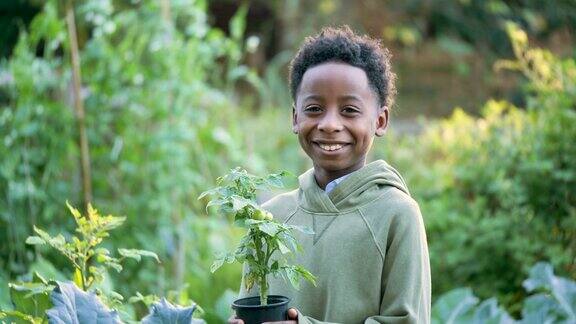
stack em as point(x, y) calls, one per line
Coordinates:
point(498, 192)
point(161, 124)
point(552, 300)
point(86, 299)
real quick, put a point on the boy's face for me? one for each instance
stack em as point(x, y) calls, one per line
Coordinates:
point(336, 117)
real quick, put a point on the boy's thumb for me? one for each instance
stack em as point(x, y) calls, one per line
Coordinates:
point(292, 314)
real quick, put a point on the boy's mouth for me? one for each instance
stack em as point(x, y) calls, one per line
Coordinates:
point(334, 147)
point(330, 147)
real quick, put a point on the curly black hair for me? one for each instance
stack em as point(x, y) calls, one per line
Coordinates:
point(343, 45)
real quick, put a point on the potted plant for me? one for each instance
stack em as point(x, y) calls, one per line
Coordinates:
point(266, 248)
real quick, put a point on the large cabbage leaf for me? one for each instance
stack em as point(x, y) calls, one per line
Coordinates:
point(163, 312)
point(74, 306)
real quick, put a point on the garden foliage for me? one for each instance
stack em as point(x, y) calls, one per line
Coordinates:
point(498, 192)
point(161, 122)
point(553, 300)
point(39, 300)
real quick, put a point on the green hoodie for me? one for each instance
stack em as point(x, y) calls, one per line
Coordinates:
point(369, 250)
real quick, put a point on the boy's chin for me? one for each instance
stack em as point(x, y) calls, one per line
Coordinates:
point(334, 167)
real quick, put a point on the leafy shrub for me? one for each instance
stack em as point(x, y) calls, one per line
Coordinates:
point(553, 301)
point(63, 302)
point(498, 192)
point(160, 124)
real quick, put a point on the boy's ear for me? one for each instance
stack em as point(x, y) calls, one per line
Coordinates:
point(294, 118)
point(382, 121)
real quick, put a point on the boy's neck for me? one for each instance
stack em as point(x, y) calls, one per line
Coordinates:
point(323, 177)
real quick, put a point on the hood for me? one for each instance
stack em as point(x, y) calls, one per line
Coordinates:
point(358, 188)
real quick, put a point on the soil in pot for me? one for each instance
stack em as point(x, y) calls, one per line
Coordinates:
point(251, 312)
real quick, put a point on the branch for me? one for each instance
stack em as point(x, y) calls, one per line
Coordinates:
point(79, 106)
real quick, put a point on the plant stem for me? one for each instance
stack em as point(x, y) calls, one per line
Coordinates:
point(79, 106)
point(262, 261)
point(263, 290)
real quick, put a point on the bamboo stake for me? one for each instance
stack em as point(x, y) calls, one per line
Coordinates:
point(79, 106)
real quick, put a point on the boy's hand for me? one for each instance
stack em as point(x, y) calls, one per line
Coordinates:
point(292, 318)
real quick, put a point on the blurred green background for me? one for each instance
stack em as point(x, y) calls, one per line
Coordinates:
point(177, 92)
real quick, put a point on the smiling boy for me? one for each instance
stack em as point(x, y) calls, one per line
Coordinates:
point(369, 250)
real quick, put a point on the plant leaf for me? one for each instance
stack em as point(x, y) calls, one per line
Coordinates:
point(283, 248)
point(31, 297)
point(74, 306)
point(217, 264)
point(453, 306)
point(269, 228)
point(163, 312)
point(305, 274)
point(35, 240)
point(489, 312)
point(540, 309)
point(18, 318)
point(137, 254)
point(564, 290)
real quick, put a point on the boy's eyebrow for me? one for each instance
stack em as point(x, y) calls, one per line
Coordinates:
point(313, 96)
point(343, 97)
point(351, 96)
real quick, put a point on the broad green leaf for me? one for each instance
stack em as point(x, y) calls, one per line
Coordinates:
point(163, 312)
point(72, 305)
point(31, 297)
point(540, 308)
point(541, 276)
point(270, 228)
point(489, 312)
point(239, 203)
point(275, 180)
point(453, 306)
point(562, 289)
point(17, 317)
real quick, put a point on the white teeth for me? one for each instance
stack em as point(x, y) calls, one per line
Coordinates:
point(332, 147)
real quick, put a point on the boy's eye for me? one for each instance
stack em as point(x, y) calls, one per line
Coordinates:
point(350, 110)
point(312, 109)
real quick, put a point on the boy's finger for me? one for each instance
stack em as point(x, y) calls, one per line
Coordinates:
point(293, 314)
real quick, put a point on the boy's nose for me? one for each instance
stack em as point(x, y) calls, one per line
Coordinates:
point(330, 122)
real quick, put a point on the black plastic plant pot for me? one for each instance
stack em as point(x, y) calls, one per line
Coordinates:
point(251, 312)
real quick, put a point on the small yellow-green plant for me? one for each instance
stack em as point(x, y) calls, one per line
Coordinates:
point(41, 301)
point(89, 259)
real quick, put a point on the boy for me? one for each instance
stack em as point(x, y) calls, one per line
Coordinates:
point(369, 250)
